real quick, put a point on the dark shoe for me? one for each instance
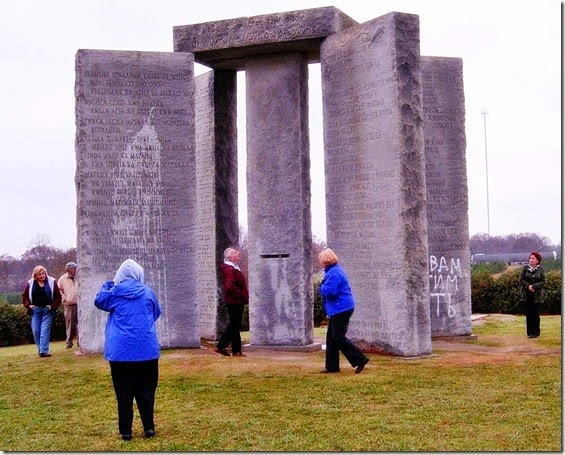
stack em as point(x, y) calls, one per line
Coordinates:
point(329, 371)
point(126, 437)
point(239, 354)
point(69, 345)
point(150, 433)
point(360, 367)
point(222, 351)
point(44, 355)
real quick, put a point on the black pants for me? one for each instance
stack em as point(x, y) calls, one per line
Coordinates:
point(232, 334)
point(532, 318)
point(135, 380)
point(336, 341)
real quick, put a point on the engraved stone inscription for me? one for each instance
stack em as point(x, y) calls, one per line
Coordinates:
point(374, 159)
point(446, 182)
point(135, 168)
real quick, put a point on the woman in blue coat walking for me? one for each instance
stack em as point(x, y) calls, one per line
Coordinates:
point(131, 345)
point(339, 305)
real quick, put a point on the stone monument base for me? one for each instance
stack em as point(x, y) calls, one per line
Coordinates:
point(305, 348)
point(454, 337)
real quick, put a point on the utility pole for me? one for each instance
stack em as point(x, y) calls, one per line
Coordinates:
point(484, 112)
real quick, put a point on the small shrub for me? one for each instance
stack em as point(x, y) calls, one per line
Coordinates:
point(319, 313)
point(506, 292)
point(14, 298)
point(501, 293)
point(552, 301)
point(551, 264)
point(58, 330)
point(481, 290)
point(15, 325)
point(489, 267)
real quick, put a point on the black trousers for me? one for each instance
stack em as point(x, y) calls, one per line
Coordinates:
point(135, 380)
point(232, 334)
point(336, 341)
point(532, 318)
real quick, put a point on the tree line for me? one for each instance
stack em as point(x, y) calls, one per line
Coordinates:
point(15, 272)
point(513, 243)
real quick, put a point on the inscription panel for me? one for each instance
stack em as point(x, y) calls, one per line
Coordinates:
point(375, 188)
point(135, 181)
point(446, 182)
point(206, 206)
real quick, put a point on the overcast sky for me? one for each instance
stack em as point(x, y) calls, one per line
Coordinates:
point(511, 53)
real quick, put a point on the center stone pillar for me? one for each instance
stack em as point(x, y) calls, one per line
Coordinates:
point(278, 188)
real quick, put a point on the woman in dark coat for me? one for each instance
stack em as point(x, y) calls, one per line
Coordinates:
point(532, 282)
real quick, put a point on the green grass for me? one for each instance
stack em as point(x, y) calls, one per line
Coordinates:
point(267, 402)
point(549, 326)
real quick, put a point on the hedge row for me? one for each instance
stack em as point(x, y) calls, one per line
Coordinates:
point(15, 325)
point(498, 293)
point(501, 293)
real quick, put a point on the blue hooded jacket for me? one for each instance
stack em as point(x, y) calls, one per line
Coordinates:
point(131, 334)
point(335, 291)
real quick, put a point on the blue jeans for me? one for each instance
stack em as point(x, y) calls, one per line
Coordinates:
point(41, 328)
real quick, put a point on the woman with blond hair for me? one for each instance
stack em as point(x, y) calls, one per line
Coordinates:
point(42, 298)
point(339, 305)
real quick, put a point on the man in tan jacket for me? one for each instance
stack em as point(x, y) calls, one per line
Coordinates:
point(68, 287)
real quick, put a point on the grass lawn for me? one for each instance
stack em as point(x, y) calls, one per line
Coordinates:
point(500, 392)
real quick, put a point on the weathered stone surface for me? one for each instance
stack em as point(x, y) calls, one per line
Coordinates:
point(446, 182)
point(216, 186)
point(158, 182)
point(135, 179)
point(227, 43)
point(278, 187)
point(375, 180)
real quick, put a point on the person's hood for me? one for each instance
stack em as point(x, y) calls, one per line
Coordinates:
point(129, 270)
point(128, 282)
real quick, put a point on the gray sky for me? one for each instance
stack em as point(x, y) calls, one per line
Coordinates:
point(511, 53)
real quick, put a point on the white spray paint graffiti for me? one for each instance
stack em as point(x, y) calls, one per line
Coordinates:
point(444, 276)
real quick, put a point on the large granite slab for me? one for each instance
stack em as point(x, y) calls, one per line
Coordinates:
point(278, 189)
point(135, 180)
point(228, 43)
point(375, 180)
point(446, 183)
point(216, 187)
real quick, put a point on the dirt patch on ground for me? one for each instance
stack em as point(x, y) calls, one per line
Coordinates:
point(464, 351)
point(491, 348)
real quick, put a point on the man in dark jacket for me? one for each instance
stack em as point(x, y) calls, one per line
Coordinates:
point(235, 296)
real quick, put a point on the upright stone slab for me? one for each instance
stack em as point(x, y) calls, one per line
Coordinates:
point(216, 180)
point(375, 180)
point(278, 192)
point(274, 50)
point(136, 192)
point(446, 181)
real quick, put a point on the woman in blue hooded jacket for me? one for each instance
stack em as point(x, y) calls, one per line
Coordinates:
point(131, 345)
point(339, 305)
